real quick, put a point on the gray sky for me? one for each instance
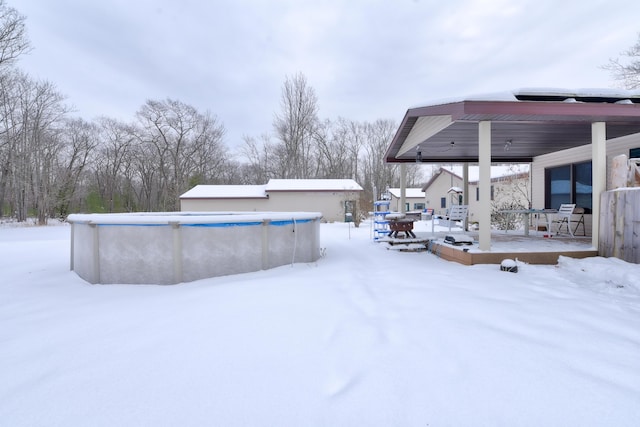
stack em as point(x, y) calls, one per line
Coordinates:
point(366, 59)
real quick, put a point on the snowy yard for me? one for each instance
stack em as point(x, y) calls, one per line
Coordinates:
point(363, 337)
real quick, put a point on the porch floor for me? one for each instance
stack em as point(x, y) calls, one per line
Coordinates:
point(532, 249)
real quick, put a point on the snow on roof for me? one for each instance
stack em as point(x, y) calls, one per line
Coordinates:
point(578, 93)
point(260, 191)
point(413, 193)
point(225, 192)
point(532, 93)
point(312, 185)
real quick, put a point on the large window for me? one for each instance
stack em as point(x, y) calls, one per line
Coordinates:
point(569, 184)
point(634, 153)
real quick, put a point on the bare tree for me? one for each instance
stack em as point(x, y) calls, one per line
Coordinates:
point(78, 139)
point(10, 133)
point(31, 114)
point(113, 158)
point(13, 35)
point(181, 147)
point(45, 112)
point(295, 127)
point(334, 145)
point(259, 156)
point(378, 174)
point(627, 71)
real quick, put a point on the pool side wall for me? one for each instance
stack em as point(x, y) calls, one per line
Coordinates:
point(172, 253)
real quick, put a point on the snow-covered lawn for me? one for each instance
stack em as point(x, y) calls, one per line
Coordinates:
point(363, 337)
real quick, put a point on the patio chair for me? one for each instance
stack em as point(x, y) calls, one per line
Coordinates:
point(580, 212)
point(563, 218)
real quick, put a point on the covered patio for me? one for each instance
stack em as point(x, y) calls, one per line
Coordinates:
point(516, 127)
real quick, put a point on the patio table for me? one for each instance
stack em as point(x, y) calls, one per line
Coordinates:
point(537, 213)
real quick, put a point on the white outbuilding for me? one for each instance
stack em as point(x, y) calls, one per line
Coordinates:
point(334, 198)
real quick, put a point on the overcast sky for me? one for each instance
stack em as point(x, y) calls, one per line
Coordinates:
point(366, 59)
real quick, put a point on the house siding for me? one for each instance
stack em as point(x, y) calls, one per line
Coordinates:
point(223, 205)
point(411, 199)
point(396, 205)
point(438, 189)
point(329, 203)
point(614, 148)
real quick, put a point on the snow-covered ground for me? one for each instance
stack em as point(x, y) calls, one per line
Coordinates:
point(363, 337)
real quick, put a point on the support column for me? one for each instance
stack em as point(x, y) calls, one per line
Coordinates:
point(465, 192)
point(599, 175)
point(403, 188)
point(484, 185)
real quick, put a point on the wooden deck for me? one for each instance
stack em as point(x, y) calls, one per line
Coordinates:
point(528, 249)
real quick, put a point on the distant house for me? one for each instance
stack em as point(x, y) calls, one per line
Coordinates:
point(436, 191)
point(334, 198)
point(506, 186)
point(414, 199)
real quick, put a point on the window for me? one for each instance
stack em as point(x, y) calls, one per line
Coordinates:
point(569, 184)
point(348, 206)
point(443, 202)
point(418, 206)
point(478, 193)
point(634, 153)
point(583, 190)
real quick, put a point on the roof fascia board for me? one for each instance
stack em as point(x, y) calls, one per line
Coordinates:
point(544, 109)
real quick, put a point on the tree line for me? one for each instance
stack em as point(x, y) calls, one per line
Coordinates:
point(53, 164)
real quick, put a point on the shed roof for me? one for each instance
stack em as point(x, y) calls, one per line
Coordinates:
point(261, 191)
point(313, 185)
point(525, 123)
point(225, 192)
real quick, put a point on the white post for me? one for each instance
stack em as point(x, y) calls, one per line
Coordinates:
point(73, 226)
point(465, 193)
point(403, 188)
point(484, 185)
point(265, 244)
point(96, 254)
point(177, 251)
point(599, 175)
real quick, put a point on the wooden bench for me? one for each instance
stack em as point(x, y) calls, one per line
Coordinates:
point(457, 213)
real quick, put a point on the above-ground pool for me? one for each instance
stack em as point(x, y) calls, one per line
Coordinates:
point(168, 248)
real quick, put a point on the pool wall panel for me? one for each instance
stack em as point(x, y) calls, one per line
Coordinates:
point(107, 249)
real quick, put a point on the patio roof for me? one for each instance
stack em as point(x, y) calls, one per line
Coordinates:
point(524, 124)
